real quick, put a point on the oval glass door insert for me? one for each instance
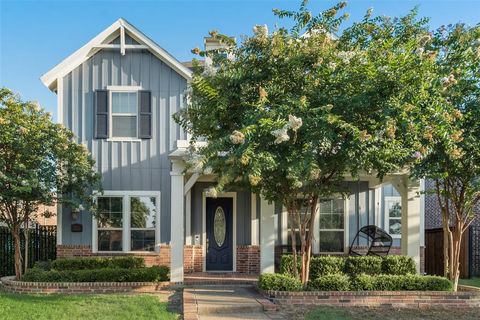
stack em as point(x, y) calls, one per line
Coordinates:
point(219, 226)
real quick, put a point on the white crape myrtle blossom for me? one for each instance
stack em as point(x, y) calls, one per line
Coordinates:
point(346, 56)
point(260, 30)
point(419, 51)
point(448, 81)
point(237, 137)
point(294, 123)
point(195, 162)
point(281, 135)
point(208, 170)
point(417, 155)
point(211, 192)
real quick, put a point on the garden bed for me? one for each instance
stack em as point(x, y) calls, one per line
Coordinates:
point(13, 286)
point(395, 299)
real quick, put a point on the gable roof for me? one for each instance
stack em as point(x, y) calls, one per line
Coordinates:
point(102, 40)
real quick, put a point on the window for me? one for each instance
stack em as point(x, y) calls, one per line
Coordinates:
point(127, 221)
point(142, 225)
point(110, 223)
point(393, 216)
point(124, 111)
point(332, 225)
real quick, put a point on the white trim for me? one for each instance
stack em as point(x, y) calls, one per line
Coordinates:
point(284, 224)
point(122, 39)
point(422, 212)
point(117, 46)
point(122, 89)
point(232, 195)
point(255, 232)
point(126, 230)
point(188, 218)
point(125, 88)
point(107, 35)
point(345, 230)
point(386, 217)
point(191, 181)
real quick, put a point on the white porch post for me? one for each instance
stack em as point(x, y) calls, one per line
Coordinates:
point(411, 219)
point(177, 216)
point(267, 236)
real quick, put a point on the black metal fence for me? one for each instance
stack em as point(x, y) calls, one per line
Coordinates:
point(42, 241)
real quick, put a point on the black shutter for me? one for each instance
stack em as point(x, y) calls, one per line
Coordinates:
point(145, 123)
point(101, 114)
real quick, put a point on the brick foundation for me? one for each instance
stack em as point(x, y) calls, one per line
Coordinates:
point(10, 285)
point(248, 259)
point(161, 258)
point(192, 259)
point(395, 299)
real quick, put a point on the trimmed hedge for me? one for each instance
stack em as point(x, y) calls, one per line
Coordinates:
point(398, 265)
point(331, 282)
point(319, 266)
point(151, 274)
point(352, 266)
point(407, 282)
point(279, 282)
point(367, 265)
point(98, 263)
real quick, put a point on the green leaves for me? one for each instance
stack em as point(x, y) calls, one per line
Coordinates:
point(39, 161)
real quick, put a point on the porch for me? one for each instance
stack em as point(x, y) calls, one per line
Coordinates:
point(258, 230)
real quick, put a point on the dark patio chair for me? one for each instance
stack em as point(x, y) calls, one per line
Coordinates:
point(378, 239)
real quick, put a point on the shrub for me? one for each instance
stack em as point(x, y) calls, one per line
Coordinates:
point(398, 265)
point(43, 265)
point(98, 263)
point(279, 282)
point(331, 282)
point(286, 265)
point(362, 282)
point(363, 265)
point(319, 266)
point(325, 265)
point(151, 274)
point(408, 282)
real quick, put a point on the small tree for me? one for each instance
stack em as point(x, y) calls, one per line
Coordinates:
point(40, 163)
point(453, 160)
point(295, 111)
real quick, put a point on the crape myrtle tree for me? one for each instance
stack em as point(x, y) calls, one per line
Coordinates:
point(40, 164)
point(289, 114)
point(453, 161)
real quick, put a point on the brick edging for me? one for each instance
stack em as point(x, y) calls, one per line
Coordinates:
point(423, 299)
point(13, 286)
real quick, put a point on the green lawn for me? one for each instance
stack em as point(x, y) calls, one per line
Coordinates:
point(474, 282)
point(70, 307)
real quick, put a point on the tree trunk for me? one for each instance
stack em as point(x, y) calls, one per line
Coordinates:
point(18, 252)
point(25, 262)
point(294, 241)
point(456, 247)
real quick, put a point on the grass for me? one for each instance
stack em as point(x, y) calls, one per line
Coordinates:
point(474, 282)
point(71, 307)
point(356, 313)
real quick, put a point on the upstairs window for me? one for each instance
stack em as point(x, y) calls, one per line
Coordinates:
point(124, 114)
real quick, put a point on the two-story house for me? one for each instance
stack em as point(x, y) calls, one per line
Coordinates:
point(118, 93)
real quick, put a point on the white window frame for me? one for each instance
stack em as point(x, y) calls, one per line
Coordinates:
point(126, 230)
point(316, 228)
point(122, 89)
point(388, 199)
point(344, 230)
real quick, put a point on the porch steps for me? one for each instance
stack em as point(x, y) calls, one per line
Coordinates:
point(209, 279)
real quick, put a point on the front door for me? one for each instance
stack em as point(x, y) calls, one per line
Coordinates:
point(219, 223)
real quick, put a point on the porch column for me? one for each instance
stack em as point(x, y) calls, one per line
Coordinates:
point(411, 219)
point(177, 216)
point(267, 236)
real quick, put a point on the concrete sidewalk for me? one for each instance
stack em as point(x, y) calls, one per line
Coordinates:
point(211, 303)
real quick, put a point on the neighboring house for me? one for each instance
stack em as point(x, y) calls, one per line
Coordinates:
point(470, 259)
point(118, 94)
point(46, 215)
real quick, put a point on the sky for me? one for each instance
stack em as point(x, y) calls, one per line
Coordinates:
point(37, 35)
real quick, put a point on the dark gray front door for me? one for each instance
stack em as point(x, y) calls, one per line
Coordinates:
point(219, 223)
